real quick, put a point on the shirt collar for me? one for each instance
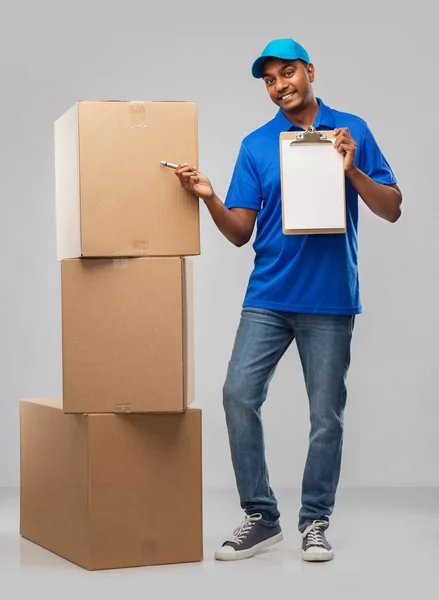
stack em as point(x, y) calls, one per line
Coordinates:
point(324, 118)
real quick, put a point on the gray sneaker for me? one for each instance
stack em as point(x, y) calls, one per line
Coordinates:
point(248, 539)
point(315, 546)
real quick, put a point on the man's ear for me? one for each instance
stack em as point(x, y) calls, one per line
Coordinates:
point(311, 72)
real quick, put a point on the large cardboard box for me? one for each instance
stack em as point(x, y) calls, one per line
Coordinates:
point(108, 491)
point(127, 335)
point(113, 198)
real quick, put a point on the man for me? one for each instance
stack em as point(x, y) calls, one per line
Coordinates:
point(303, 288)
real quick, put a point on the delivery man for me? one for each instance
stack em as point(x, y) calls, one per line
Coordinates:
point(303, 288)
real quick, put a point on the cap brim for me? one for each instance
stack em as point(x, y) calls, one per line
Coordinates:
point(257, 68)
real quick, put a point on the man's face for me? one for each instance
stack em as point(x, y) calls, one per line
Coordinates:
point(288, 83)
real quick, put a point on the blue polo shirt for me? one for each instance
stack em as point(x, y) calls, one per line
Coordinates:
point(301, 273)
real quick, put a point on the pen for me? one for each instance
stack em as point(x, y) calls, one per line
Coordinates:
point(170, 165)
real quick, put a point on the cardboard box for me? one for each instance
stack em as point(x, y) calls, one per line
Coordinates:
point(108, 491)
point(113, 198)
point(127, 335)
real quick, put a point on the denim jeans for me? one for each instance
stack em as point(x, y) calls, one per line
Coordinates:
point(323, 343)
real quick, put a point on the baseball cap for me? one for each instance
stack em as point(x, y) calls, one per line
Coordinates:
point(286, 49)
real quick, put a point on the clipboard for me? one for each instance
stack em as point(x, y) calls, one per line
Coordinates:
point(312, 183)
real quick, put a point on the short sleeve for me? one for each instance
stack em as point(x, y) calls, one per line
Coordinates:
point(245, 189)
point(372, 161)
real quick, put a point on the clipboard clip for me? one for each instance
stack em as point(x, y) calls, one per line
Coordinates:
point(311, 135)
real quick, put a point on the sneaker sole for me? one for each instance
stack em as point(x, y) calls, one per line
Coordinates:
point(317, 556)
point(241, 554)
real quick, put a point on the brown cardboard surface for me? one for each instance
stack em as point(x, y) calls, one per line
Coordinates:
point(53, 479)
point(126, 335)
point(113, 197)
point(188, 307)
point(108, 491)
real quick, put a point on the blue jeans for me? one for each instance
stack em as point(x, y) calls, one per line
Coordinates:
point(323, 343)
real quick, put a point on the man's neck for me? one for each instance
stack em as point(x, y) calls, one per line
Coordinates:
point(304, 117)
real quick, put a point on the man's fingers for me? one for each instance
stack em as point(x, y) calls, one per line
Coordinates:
point(340, 137)
point(346, 148)
point(189, 174)
point(344, 139)
point(180, 168)
point(184, 168)
point(340, 147)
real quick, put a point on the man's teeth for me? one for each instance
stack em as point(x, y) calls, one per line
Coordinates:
point(287, 96)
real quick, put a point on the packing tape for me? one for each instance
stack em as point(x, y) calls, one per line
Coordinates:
point(122, 408)
point(140, 247)
point(136, 248)
point(138, 114)
point(120, 263)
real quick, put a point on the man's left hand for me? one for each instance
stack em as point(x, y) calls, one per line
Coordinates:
point(346, 145)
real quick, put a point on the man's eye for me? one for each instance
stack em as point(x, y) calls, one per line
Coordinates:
point(288, 73)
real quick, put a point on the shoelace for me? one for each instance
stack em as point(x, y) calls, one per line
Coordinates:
point(242, 531)
point(314, 534)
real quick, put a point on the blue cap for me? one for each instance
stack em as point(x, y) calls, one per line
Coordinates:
point(285, 49)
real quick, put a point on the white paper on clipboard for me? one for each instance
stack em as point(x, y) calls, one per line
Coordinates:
point(313, 183)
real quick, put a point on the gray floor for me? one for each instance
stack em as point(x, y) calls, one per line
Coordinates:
point(386, 544)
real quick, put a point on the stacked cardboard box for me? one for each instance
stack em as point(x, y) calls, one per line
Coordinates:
point(111, 475)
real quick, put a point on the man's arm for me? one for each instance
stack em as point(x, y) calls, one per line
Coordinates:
point(236, 224)
point(384, 200)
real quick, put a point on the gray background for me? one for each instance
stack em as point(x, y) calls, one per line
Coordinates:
point(376, 60)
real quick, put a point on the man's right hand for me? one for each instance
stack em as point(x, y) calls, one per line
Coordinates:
point(236, 223)
point(194, 182)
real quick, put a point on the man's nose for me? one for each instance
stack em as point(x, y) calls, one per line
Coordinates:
point(281, 85)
